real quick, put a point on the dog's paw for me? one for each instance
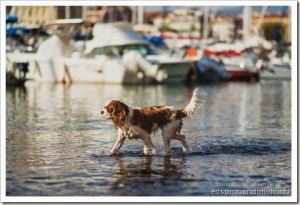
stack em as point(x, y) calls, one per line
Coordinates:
point(113, 152)
point(167, 154)
point(150, 151)
point(185, 150)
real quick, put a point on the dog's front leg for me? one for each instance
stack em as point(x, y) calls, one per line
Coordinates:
point(149, 148)
point(166, 139)
point(120, 141)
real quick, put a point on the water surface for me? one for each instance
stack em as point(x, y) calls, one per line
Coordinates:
point(57, 144)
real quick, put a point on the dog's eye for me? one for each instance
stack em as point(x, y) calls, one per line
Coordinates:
point(109, 109)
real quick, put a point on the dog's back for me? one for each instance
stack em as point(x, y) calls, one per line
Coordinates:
point(151, 118)
point(154, 117)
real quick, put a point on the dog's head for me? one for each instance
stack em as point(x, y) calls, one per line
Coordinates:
point(116, 111)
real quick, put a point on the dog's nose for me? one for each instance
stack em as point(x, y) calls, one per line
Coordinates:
point(102, 112)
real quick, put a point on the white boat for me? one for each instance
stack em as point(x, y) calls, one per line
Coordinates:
point(116, 54)
point(277, 68)
point(277, 71)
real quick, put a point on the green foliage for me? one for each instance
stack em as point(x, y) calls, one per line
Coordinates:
point(268, 30)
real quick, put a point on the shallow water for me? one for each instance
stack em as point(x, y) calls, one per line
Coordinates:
point(57, 144)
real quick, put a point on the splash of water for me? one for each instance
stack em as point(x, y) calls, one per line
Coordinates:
point(233, 146)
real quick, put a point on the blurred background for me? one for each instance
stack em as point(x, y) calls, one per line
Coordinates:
point(64, 63)
point(208, 43)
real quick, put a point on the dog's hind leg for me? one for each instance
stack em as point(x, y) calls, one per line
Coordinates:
point(171, 131)
point(120, 141)
point(181, 138)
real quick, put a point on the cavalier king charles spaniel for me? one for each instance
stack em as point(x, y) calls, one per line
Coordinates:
point(141, 122)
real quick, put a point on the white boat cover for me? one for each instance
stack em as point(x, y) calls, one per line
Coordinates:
point(113, 34)
point(52, 47)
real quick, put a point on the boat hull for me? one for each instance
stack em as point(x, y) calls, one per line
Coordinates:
point(102, 70)
point(243, 75)
point(173, 72)
point(276, 74)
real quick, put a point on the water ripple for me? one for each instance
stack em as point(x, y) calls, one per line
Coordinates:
point(235, 147)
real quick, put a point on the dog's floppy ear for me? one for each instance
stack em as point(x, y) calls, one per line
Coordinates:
point(120, 112)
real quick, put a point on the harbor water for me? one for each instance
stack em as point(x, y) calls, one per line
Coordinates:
point(58, 145)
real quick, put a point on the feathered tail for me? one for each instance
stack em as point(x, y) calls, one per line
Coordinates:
point(192, 107)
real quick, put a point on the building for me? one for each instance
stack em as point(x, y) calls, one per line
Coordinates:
point(273, 26)
point(108, 14)
point(38, 15)
point(35, 14)
point(275, 17)
point(44, 14)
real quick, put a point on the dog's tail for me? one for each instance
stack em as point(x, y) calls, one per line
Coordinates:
point(192, 107)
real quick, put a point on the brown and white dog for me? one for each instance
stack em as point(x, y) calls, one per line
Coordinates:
point(141, 122)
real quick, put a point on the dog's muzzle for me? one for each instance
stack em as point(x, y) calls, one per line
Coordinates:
point(104, 114)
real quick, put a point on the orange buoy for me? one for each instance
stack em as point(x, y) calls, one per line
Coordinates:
point(191, 52)
point(63, 80)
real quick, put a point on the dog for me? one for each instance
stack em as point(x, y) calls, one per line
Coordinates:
point(141, 122)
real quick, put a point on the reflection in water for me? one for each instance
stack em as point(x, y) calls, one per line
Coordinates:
point(143, 167)
point(147, 172)
point(240, 138)
point(246, 107)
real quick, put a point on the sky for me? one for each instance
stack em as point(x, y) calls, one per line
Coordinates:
point(223, 9)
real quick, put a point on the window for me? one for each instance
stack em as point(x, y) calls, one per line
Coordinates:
point(61, 10)
point(75, 12)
